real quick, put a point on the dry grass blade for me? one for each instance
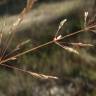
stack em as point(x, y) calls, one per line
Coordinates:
point(29, 5)
point(42, 76)
point(68, 48)
point(15, 24)
point(45, 44)
point(78, 44)
point(34, 74)
point(77, 32)
point(27, 51)
point(71, 50)
point(18, 47)
point(22, 44)
point(55, 40)
point(82, 44)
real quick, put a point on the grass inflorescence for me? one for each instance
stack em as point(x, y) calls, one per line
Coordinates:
point(72, 46)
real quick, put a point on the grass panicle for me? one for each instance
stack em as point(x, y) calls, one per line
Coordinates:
point(56, 40)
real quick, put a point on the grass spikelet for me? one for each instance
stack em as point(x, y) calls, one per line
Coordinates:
point(42, 76)
point(82, 44)
point(60, 26)
point(62, 23)
point(85, 19)
point(70, 49)
point(34, 74)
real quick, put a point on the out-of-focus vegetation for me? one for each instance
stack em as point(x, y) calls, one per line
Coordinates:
point(77, 73)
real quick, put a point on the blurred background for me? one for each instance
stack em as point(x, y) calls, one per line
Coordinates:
point(77, 73)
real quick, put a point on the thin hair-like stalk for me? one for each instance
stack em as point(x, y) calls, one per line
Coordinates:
point(45, 44)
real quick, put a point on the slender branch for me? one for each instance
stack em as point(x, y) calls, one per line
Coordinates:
point(34, 74)
point(25, 52)
point(50, 42)
point(17, 23)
